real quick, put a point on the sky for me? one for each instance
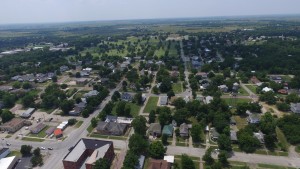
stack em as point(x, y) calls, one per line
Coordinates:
point(44, 11)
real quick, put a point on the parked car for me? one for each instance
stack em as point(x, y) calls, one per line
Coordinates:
point(50, 148)
point(8, 144)
point(43, 148)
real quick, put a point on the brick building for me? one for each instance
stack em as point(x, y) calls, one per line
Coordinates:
point(87, 152)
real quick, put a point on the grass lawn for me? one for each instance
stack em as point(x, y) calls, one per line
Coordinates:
point(252, 88)
point(196, 163)
point(96, 135)
point(41, 134)
point(282, 140)
point(151, 104)
point(270, 166)
point(234, 101)
point(8, 136)
point(15, 153)
point(241, 122)
point(243, 92)
point(134, 111)
point(78, 124)
point(177, 87)
point(90, 128)
point(33, 139)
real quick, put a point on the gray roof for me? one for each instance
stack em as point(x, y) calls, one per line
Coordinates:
point(155, 127)
point(295, 107)
point(87, 144)
point(184, 128)
point(233, 135)
point(91, 93)
point(163, 100)
point(28, 112)
point(112, 127)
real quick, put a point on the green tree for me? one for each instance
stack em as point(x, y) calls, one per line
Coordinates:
point(224, 143)
point(170, 94)
point(138, 98)
point(6, 115)
point(164, 117)
point(187, 162)
point(94, 122)
point(208, 158)
point(152, 116)
point(37, 152)
point(164, 139)
point(268, 97)
point(26, 85)
point(120, 108)
point(116, 96)
point(102, 163)
point(130, 161)
point(156, 150)
point(179, 103)
point(54, 79)
point(195, 133)
point(66, 106)
point(28, 100)
point(36, 160)
point(139, 125)
point(72, 121)
point(25, 150)
point(138, 144)
point(181, 115)
point(223, 159)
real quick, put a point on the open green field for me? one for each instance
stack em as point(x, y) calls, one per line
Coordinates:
point(134, 109)
point(15, 153)
point(173, 50)
point(33, 139)
point(242, 92)
point(151, 104)
point(281, 139)
point(41, 134)
point(78, 124)
point(234, 101)
point(252, 88)
point(177, 87)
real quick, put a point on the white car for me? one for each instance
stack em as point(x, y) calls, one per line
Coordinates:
point(43, 148)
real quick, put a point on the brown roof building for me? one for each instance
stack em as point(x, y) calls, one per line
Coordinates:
point(159, 164)
point(254, 80)
point(87, 152)
point(14, 125)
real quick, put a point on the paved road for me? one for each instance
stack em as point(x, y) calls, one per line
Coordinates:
point(61, 147)
point(188, 91)
point(243, 157)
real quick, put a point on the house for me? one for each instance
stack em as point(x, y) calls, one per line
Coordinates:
point(184, 130)
point(58, 133)
point(255, 81)
point(208, 99)
point(174, 68)
point(163, 100)
point(232, 121)
point(81, 81)
point(233, 136)
point(214, 135)
point(260, 136)
point(203, 75)
point(14, 125)
point(86, 152)
point(77, 109)
point(4, 153)
point(154, 129)
point(50, 130)
point(283, 91)
point(159, 164)
point(111, 128)
point(295, 107)
point(37, 128)
point(126, 97)
point(267, 89)
point(63, 68)
point(223, 88)
point(91, 94)
point(235, 87)
point(168, 130)
point(253, 118)
point(27, 113)
point(141, 162)
point(8, 162)
point(196, 64)
point(174, 74)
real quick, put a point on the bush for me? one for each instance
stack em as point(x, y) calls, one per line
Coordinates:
point(71, 122)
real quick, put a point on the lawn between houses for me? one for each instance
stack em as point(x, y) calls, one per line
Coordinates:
point(151, 104)
point(177, 87)
point(134, 109)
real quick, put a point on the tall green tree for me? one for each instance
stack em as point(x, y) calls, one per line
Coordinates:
point(187, 162)
point(139, 125)
point(157, 150)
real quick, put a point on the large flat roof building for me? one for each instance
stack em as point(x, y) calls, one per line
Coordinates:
point(14, 125)
point(87, 152)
